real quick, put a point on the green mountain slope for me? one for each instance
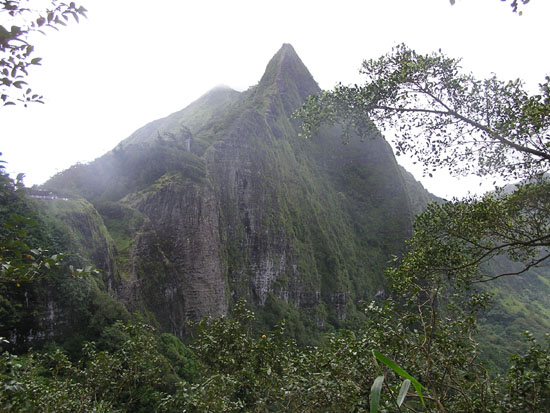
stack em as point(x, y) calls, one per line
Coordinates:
point(224, 200)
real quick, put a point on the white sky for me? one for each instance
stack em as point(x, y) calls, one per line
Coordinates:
point(133, 61)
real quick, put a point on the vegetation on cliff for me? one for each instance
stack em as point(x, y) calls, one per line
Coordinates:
point(241, 207)
point(235, 204)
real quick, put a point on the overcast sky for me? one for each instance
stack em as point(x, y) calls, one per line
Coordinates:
point(133, 61)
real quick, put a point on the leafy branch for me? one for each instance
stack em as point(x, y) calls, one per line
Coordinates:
point(16, 52)
point(441, 116)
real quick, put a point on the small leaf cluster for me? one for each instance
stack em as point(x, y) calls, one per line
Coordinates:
point(16, 52)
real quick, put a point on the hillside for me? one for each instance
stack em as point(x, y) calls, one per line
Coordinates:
point(224, 199)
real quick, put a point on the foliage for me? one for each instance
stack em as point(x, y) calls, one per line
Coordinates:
point(16, 53)
point(527, 378)
point(246, 371)
point(459, 237)
point(128, 378)
point(19, 262)
point(447, 119)
point(239, 369)
point(451, 120)
point(181, 358)
point(443, 117)
point(243, 370)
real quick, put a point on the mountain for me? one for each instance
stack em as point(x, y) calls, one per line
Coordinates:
point(224, 200)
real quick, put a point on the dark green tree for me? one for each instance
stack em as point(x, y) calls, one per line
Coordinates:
point(129, 378)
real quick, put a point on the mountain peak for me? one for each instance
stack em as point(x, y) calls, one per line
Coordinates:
point(287, 72)
point(287, 50)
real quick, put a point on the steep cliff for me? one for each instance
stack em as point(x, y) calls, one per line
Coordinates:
point(224, 199)
point(47, 303)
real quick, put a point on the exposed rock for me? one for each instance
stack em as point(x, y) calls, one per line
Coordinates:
point(224, 199)
point(185, 237)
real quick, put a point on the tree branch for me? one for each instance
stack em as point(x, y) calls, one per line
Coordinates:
point(527, 268)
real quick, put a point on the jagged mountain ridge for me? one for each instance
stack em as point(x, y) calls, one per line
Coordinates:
point(224, 200)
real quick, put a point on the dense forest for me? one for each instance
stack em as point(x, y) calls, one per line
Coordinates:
point(295, 205)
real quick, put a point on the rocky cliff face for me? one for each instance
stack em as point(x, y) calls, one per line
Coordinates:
point(224, 200)
point(184, 221)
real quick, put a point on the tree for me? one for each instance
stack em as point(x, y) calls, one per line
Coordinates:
point(472, 232)
point(130, 377)
point(243, 370)
point(16, 53)
point(447, 119)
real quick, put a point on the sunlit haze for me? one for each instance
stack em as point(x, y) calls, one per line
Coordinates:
point(132, 62)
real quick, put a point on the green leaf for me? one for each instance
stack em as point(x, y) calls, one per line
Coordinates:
point(375, 391)
point(403, 391)
point(391, 364)
point(417, 386)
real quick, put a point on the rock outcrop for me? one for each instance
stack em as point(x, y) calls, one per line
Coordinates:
point(224, 200)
